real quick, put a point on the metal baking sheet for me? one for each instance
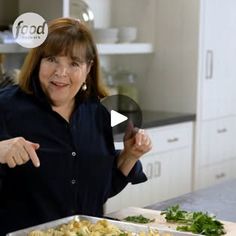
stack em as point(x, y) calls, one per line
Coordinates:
point(135, 228)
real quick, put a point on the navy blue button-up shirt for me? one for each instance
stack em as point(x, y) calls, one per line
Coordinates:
point(78, 170)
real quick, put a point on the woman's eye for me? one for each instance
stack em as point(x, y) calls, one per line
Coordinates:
point(51, 59)
point(75, 64)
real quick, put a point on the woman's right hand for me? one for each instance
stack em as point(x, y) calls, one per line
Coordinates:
point(17, 151)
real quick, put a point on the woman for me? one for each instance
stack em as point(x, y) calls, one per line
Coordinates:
point(55, 119)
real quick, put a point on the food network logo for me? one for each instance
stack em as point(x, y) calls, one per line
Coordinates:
point(30, 30)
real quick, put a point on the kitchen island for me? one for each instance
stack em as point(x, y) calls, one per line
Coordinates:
point(219, 200)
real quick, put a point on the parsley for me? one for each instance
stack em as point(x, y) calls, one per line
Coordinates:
point(123, 234)
point(138, 219)
point(195, 222)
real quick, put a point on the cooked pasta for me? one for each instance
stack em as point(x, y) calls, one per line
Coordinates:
point(78, 227)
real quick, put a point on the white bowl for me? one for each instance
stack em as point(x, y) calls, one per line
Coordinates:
point(105, 35)
point(127, 34)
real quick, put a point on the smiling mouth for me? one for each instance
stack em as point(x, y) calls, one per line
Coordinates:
point(59, 84)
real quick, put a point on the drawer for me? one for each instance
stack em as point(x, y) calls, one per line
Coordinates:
point(168, 137)
point(171, 137)
point(217, 141)
point(215, 174)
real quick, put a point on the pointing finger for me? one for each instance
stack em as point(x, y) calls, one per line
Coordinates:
point(34, 145)
point(30, 148)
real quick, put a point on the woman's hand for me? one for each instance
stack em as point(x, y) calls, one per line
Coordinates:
point(136, 143)
point(17, 151)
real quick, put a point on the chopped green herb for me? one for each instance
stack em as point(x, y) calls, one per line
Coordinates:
point(123, 234)
point(195, 222)
point(138, 219)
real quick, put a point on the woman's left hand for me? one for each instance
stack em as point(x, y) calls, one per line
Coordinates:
point(136, 143)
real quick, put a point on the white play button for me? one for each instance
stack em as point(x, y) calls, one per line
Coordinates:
point(117, 118)
point(123, 111)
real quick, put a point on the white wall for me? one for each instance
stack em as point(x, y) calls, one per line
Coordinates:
point(47, 9)
point(175, 60)
point(101, 10)
point(8, 11)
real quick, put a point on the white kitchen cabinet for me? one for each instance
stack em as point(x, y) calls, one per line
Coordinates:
point(215, 148)
point(216, 173)
point(217, 56)
point(217, 141)
point(193, 70)
point(168, 167)
point(216, 160)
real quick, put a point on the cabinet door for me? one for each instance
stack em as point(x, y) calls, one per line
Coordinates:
point(215, 174)
point(153, 190)
point(217, 57)
point(133, 195)
point(171, 137)
point(168, 167)
point(169, 175)
point(172, 175)
point(139, 194)
point(217, 142)
point(180, 172)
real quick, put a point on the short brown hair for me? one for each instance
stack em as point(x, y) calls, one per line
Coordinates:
point(69, 37)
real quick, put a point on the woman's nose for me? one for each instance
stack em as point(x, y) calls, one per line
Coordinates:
point(62, 70)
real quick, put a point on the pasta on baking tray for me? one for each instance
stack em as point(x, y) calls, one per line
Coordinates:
point(78, 227)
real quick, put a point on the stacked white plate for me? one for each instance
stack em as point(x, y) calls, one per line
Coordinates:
point(127, 34)
point(105, 35)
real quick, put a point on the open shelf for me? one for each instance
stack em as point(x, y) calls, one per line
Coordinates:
point(103, 49)
point(12, 48)
point(125, 48)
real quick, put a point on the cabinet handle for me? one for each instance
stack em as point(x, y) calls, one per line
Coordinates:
point(220, 131)
point(157, 169)
point(172, 140)
point(209, 64)
point(220, 176)
point(149, 171)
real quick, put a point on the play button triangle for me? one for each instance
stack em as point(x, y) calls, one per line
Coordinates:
point(117, 118)
point(122, 110)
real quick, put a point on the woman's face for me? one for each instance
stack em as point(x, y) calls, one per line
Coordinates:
point(61, 78)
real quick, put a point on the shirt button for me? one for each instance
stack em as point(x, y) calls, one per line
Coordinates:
point(73, 154)
point(73, 181)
